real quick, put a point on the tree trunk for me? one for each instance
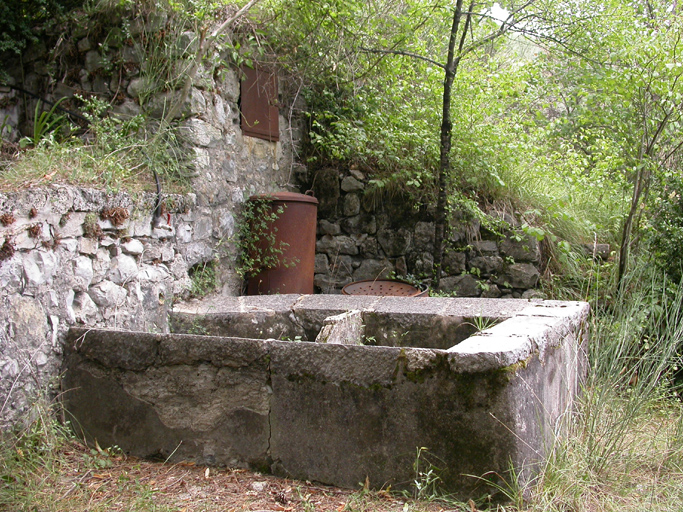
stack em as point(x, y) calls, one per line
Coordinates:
point(450, 69)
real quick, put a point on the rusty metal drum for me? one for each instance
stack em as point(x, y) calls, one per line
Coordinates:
point(294, 231)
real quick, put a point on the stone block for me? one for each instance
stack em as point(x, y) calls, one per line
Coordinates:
point(395, 243)
point(487, 265)
point(321, 264)
point(351, 184)
point(360, 224)
point(123, 268)
point(39, 267)
point(373, 269)
point(519, 275)
point(328, 228)
point(346, 329)
point(525, 250)
point(108, 294)
point(351, 205)
point(463, 286)
point(454, 262)
point(335, 245)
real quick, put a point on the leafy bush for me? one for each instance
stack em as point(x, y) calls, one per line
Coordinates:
point(665, 226)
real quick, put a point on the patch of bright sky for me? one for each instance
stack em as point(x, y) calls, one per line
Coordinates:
point(498, 12)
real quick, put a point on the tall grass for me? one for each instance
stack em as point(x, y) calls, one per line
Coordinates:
point(625, 450)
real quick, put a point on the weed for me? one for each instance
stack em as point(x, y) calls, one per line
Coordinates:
point(117, 216)
point(91, 226)
point(35, 230)
point(7, 219)
point(481, 323)
point(7, 250)
point(257, 238)
point(427, 476)
point(44, 122)
point(204, 278)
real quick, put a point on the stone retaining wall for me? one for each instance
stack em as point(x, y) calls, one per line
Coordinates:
point(362, 235)
point(73, 256)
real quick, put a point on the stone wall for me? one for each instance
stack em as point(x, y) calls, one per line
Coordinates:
point(364, 235)
point(74, 256)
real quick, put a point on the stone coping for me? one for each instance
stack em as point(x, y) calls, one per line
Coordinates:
point(518, 328)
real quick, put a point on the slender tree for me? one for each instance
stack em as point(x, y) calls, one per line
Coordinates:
point(470, 30)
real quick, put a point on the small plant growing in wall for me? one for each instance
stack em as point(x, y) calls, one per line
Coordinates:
point(203, 278)
point(259, 248)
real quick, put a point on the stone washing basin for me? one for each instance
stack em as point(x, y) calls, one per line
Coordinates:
point(237, 384)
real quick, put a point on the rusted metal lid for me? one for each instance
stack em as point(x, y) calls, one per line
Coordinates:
point(290, 197)
point(385, 287)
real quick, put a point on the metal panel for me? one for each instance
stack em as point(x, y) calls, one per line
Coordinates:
point(259, 104)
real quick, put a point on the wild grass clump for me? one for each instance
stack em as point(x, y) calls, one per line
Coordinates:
point(624, 450)
point(113, 152)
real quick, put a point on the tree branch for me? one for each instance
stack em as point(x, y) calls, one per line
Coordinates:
point(403, 53)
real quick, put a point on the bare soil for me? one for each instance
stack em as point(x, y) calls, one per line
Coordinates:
point(120, 483)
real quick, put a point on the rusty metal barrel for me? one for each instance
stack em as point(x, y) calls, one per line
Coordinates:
point(294, 232)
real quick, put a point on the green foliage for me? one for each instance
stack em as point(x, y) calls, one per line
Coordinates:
point(44, 123)
point(257, 242)
point(204, 279)
point(664, 229)
point(426, 480)
point(21, 21)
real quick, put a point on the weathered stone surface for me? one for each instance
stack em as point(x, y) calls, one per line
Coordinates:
point(525, 250)
point(360, 224)
point(420, 263)
point(88, 246)
point(333, 246)
point(83, 273)
point(200, 133)
point(328, 228)
point(519, 275)
point(485, 247)
point(93, 61)
point(487, 265)
point(133, 247)
point(454, 262)
point(351, 205)
point(11, 274)
point(28, 322)
point(223, 407)
point(123, 269)
point(108, 294)
point(330, 283)
point(491, 291)
point(345, 329)
point(321, 264)
point(39, 267)
point(423, 236)
point(462, 286)
point(84, 308)
point(394, 242)
point(373, 269)
point(351, 184)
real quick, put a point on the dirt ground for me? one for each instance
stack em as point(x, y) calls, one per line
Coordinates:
point(115, 482)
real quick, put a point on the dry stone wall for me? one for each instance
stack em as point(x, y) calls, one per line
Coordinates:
point(73, 256)
point(365, 236)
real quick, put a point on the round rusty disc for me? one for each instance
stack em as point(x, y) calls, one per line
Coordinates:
point(385, 287)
